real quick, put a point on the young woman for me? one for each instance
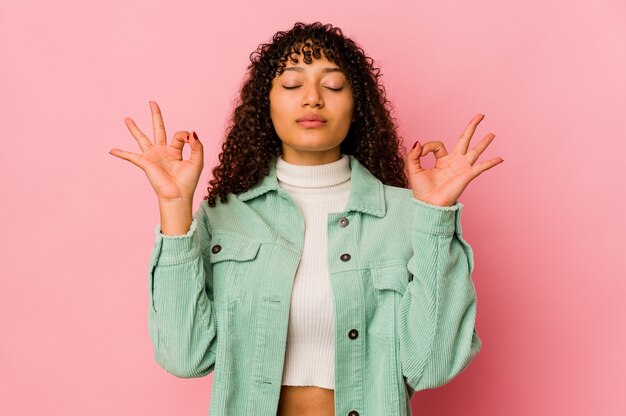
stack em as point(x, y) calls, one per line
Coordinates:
point(314, 279)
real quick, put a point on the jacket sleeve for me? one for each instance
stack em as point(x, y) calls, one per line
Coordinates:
point(181, 317)
point(438, 338)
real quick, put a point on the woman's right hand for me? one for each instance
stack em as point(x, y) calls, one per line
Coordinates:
point(172, 178)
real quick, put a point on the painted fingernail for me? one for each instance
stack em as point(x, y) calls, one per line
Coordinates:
point(415, 144)
point(194, 135)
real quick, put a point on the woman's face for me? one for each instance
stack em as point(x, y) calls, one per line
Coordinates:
point(316, 90)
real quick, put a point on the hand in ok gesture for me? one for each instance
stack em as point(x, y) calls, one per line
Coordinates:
point(171, 177)
point(443, 184)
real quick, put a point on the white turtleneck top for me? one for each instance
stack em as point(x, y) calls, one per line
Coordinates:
point(317, 190)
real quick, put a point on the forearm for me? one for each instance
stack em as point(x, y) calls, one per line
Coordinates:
point(438, 311)
point(181, 317)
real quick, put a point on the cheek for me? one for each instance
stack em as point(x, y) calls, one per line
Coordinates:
point(274, 110)
point(347, 107)
point(347, 101)
point(279, 107)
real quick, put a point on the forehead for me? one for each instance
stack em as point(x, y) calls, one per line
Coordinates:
point(321, 65)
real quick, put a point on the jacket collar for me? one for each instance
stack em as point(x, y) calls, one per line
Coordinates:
point(367, 193)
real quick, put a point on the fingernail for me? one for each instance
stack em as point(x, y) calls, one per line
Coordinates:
point(414, 144)
point(194, 135)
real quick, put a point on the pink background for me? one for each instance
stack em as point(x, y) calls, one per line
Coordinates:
point(546, 225)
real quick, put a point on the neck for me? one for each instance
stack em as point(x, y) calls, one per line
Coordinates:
point(315, 176)
point(305, 158)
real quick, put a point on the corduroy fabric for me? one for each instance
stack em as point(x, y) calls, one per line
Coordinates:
point(404, 300)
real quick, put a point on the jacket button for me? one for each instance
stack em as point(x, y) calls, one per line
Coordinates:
point(353, 334)
point(343, 221)
point(216, 249)
point(345, 257)
point(353, 413)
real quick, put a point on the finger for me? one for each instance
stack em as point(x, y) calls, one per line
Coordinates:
point(473, 154)
point(197, 150)
point(463, 142)
point(142, 139)
point(438, 149)
point(157, 124)
point(414, 158)
point(483, 166)
point(179, 140)
point(133, 158)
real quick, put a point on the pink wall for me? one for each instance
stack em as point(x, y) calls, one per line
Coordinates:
point(546, 225)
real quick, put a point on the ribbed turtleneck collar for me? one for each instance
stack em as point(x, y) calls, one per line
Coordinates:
point(316, 176)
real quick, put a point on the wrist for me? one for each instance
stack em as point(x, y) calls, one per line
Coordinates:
point(176, 216)
point(437, 203)
point(181, 201)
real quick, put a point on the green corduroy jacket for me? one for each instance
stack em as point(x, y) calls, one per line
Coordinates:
point(400, 271)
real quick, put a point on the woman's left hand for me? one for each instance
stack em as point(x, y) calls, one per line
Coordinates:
point(443, 184)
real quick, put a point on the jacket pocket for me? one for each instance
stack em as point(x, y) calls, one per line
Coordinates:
point(231, 258)
point(395, 277)
point(232, 247)
point(390, 284)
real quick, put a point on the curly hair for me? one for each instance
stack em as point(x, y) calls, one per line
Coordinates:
point(251, 141)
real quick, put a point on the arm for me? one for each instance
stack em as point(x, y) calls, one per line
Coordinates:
point(438, 339)
point(181, 317)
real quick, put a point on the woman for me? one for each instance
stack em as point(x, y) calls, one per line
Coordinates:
point(317, 283)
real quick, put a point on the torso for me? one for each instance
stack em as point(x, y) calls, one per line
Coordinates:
point(306, 401)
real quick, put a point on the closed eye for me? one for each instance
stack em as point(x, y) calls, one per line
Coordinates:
point(298, 86)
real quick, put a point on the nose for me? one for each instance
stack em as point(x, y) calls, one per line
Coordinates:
point(312, 97)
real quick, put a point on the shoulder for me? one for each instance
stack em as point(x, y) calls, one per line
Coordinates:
point(231, 217)
point(396, 193)
point(398, 198)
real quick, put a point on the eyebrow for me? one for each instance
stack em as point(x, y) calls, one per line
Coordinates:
point(325, 70)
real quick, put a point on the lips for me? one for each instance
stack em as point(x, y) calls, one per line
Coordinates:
point(311, 117)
